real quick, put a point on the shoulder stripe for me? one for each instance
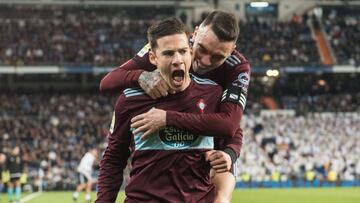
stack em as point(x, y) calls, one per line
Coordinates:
point(130, 92)
point(229, 63)
point(203, 80)
point(233, 60)
point(236, 59)
point(230, 59)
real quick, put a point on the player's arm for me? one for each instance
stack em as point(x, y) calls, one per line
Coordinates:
point(222, 124)
point(136, 72)
point(114, 161)
point(227, 120)
point(126, 75)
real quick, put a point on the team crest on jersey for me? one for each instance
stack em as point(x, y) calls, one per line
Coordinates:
point(144, 50)
point(201, 105)
point(177, 138)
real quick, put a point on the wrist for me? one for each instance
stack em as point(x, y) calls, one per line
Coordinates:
point(231, 153)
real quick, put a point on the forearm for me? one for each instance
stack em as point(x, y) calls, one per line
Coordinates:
point(223, 124)
point(111, 169)
point(231, 146)
point(119, 79)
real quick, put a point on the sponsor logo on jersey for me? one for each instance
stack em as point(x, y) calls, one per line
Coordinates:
point(177, 138)
point(144, 50)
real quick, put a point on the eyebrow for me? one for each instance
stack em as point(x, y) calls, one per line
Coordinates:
point(174, 50)
point(212, 54)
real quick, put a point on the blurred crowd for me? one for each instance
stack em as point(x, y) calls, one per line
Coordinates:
point(289, 147)
point(70, 37)
point(54, 131)
point(276, 44)
point(343, 29)
point(109, 36)
point(345, 102)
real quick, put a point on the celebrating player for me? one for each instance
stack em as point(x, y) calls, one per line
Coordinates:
point(214, 57)
point(170, 165)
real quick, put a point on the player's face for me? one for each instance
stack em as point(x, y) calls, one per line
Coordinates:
point(209, 52)
point(173, 57)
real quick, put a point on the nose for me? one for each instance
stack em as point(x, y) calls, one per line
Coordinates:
point(205, 60)
point(177, 59)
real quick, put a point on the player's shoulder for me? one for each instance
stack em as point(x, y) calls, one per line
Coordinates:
point(203, 81)
point(205, 85)
point(129, 100)
point(141, 59)
point(236, 59)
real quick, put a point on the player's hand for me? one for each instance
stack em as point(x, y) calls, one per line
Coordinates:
point(149, 122)
point(220, 161)
point(153, 84)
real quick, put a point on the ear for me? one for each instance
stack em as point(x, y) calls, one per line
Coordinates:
point(152, 57)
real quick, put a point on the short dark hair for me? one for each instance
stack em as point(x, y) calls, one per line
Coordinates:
point(168, 26)
point(224, 25)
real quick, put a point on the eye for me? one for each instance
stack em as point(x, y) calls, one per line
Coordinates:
point(183, 51)
point(217, 58)
point(168, 53)
point(202, 50)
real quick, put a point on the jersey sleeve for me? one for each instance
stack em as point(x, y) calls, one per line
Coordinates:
point(114, 160)
point(222, 124)
point(127, 75)
point(232, 146)
point(237, 75)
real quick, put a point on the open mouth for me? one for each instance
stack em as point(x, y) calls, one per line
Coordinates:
point(178, 76)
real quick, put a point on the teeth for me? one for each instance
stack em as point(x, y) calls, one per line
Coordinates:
point(178, 78)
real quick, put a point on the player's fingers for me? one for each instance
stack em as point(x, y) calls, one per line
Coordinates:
point(217, 162)
point(142, 128)
point(138, 123)
point(138, 118)
point(221, 170)
point(162, 88)
point(164, 85)
point(208, 154)
point(215, 155)
point(219, 166)
point(156, 93)
point(146, 134)
point(151, 94)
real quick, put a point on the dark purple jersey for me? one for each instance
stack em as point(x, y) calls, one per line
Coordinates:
point(170, 165)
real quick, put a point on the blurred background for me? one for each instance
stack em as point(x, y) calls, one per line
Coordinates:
point(302, 120)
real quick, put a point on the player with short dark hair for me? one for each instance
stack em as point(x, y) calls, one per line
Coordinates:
point(215, 57)
point(170, 165)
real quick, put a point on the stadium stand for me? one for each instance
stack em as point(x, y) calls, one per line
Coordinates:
point(342, 26)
